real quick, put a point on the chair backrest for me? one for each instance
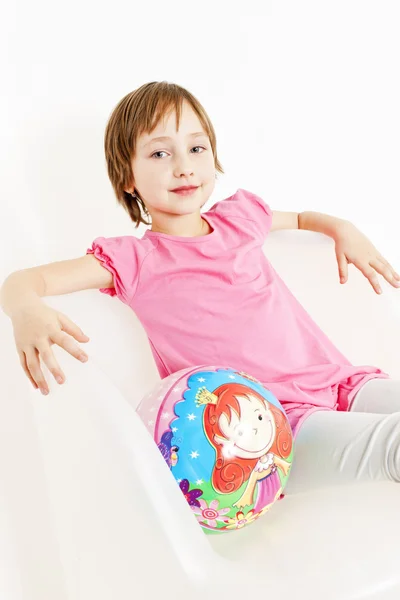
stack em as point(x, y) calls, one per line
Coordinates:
point(364, 326)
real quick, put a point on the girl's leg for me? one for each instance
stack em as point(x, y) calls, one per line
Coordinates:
point(334, 448)
point(378, 396)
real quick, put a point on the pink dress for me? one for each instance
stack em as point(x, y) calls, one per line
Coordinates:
point(217, 300)
point(268, 487)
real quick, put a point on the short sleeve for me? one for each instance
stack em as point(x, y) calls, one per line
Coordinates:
point(122, 257)
point(249, 207)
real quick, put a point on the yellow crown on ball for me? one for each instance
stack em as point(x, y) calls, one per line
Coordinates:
point(204, 396)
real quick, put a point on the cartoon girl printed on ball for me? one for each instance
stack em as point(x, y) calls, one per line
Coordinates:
point(251, 439)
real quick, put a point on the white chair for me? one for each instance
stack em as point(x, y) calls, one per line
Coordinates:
point(89, 509)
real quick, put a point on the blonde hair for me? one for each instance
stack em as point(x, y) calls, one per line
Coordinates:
point(138, 112)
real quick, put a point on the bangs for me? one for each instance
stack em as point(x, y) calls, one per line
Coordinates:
point(157, 111)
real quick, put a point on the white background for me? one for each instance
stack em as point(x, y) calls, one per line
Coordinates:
point(304, 98)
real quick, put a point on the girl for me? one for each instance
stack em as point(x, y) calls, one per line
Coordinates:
point(206, 294)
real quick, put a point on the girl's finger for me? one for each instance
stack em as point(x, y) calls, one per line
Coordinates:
point(69, 345)
point(22, 360)
point(33, 365)
point(70, 327)
point(383, 260)
point(47, 356)
point(386, 271)
point(394, 276)
point(370, 274)
point(343, 267)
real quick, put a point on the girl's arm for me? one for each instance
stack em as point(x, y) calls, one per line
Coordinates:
point(282, 464)
point(284, 220)
point(247, 498)
point(52, 279)
point(38, 326)
point(351, 245)
point(313, 221)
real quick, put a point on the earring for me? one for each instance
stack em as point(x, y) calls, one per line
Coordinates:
point(144, 208)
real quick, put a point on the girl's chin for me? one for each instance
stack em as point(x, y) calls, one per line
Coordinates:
point(250, 455)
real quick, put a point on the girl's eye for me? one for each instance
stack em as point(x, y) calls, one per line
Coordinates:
point(163, 152)
point(260, 417)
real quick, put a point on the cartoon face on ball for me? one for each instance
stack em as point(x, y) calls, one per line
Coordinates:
point(248, 433)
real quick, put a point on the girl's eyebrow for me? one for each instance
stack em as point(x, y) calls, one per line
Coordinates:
point(163, 138)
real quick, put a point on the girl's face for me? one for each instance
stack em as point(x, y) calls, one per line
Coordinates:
point(185, 158)
point(251, 435)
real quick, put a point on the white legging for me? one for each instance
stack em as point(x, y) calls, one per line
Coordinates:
point(336, 447)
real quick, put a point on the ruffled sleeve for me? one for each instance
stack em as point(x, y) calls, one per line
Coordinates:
point(251, 209)
point(121, 256)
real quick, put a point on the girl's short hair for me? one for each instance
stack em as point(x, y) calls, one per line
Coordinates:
point(140, 112)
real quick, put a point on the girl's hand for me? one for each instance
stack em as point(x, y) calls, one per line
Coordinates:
point(353, 247)
point(245, 500)
point(284, 466)
point(38, 326)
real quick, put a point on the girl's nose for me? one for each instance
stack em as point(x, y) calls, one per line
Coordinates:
point(255, 430)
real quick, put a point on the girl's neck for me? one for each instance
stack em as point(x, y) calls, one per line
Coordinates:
point(189, 228)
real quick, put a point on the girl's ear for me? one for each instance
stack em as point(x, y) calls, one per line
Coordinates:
point(130, 187)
